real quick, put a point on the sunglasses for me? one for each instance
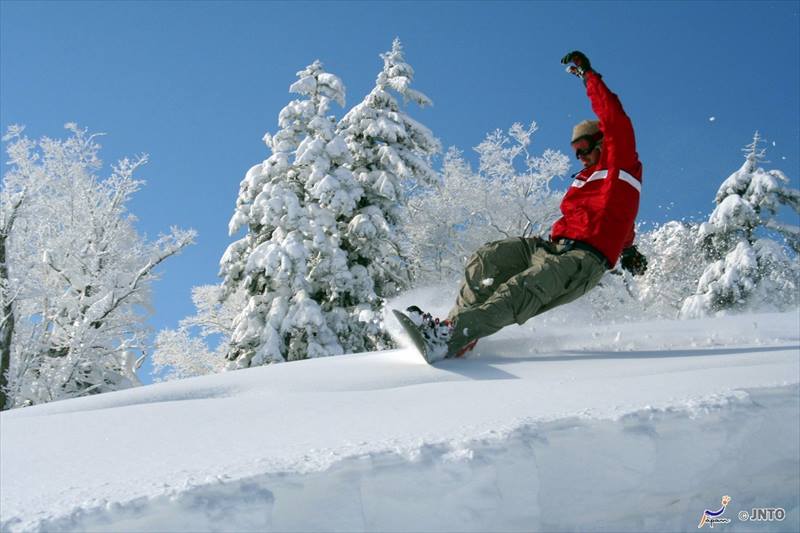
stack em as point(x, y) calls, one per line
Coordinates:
point(584, 146)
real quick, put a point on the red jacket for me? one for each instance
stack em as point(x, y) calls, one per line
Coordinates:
point(600, 206)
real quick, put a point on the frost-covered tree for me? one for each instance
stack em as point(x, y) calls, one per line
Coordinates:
point(675, 263)
point(747, 266)
point(13, 197)
point(309, 292)
point(509, 196)
point(499, 153)
point(200, 343)
point(441, 223)
point(391, 157)
point(76, 275)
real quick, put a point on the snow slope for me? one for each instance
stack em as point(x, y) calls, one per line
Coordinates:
point(632, 426)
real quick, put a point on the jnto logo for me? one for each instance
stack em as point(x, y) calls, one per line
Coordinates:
point(713, 517)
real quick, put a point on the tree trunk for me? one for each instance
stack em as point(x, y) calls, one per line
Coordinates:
point(6, 323)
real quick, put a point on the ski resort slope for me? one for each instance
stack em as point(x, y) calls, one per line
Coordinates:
point(637, 426)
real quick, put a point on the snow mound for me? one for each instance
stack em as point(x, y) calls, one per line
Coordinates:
point(627, 426)
point(655, 474)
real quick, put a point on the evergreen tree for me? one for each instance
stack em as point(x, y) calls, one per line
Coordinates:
point(391, 156)
point(747, 265)
point(307, 296)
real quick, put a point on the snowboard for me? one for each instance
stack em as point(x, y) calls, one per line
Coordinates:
point(413, 333)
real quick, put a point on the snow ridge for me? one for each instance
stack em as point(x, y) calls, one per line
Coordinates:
point(523, 479)
point(645, 424)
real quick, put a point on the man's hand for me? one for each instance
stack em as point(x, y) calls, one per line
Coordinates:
point(633, 261)
point(580, 63)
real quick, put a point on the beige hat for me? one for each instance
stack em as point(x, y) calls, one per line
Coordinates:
point(587, 127)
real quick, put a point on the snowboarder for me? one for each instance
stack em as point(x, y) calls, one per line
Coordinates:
point(512, 280)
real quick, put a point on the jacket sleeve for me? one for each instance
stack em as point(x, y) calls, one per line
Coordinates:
point(630, 238)
point(619, 141)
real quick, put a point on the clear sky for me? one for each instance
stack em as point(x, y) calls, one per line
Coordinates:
point(197, 84)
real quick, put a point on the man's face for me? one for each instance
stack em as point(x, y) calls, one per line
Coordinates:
point(590, 159)
point(587, 150)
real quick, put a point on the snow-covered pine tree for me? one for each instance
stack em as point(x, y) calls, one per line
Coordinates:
point(76, 275)
point(308, 295)
point(391, 157)
point(747, 266)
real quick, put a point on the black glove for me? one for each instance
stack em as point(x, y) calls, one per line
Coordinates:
point(580, 63)
point(633, 261)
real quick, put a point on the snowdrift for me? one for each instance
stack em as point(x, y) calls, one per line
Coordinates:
point(635, 426)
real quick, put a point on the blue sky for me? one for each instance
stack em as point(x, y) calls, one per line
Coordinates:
point(197, 84)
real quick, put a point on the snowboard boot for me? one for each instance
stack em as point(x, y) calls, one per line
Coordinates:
point(435, 332)
point(438, 334)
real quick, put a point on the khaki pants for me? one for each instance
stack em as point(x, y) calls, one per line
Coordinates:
point(513, 280)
